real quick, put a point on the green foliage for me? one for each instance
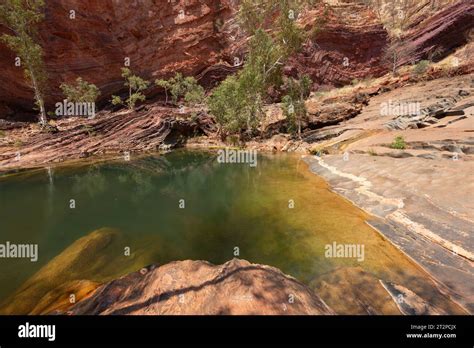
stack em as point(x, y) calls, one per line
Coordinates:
point(237, 103)
point(265, 60)
point(421, 67)
point(291, 37)
point(182, 87)
point(233, 140)
point(194, 95)
point(293, 103)
point(21, 18)
point(252, 14)
point(233, 107)
point(257, 15)
point(166, 85)
point(82, 91)
point(135, 86)
point(116, 100)
point(177, 87)
point(398, 143)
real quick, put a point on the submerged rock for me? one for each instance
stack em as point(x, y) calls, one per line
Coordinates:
point(62, 297)
point(351, 290)
point(78, 270)
point(198, 287)
point(184, 287)
point(410, 303)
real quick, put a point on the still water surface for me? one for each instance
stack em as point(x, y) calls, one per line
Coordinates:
point(277, 213)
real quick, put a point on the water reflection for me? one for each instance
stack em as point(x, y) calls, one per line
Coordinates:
point(228, 208)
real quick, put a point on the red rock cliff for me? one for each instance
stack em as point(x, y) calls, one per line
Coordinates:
point(201, 37)
point(157, 36)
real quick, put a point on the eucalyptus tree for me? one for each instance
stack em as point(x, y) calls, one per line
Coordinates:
point(237, 103)
point(136, 85)
point(21, 17)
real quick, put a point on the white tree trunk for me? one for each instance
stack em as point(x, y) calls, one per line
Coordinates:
point(39, 99)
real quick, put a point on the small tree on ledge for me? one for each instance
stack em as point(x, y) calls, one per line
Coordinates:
point(166, 85)
point(398, 53)
point(82, 91)
point(21, 18)
point(182, 87)
point(135, 86)
point(293, 102)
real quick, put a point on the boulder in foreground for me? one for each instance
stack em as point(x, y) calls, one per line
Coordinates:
point(198, 287)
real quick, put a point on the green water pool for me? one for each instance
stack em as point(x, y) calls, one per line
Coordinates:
point(187, 205)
